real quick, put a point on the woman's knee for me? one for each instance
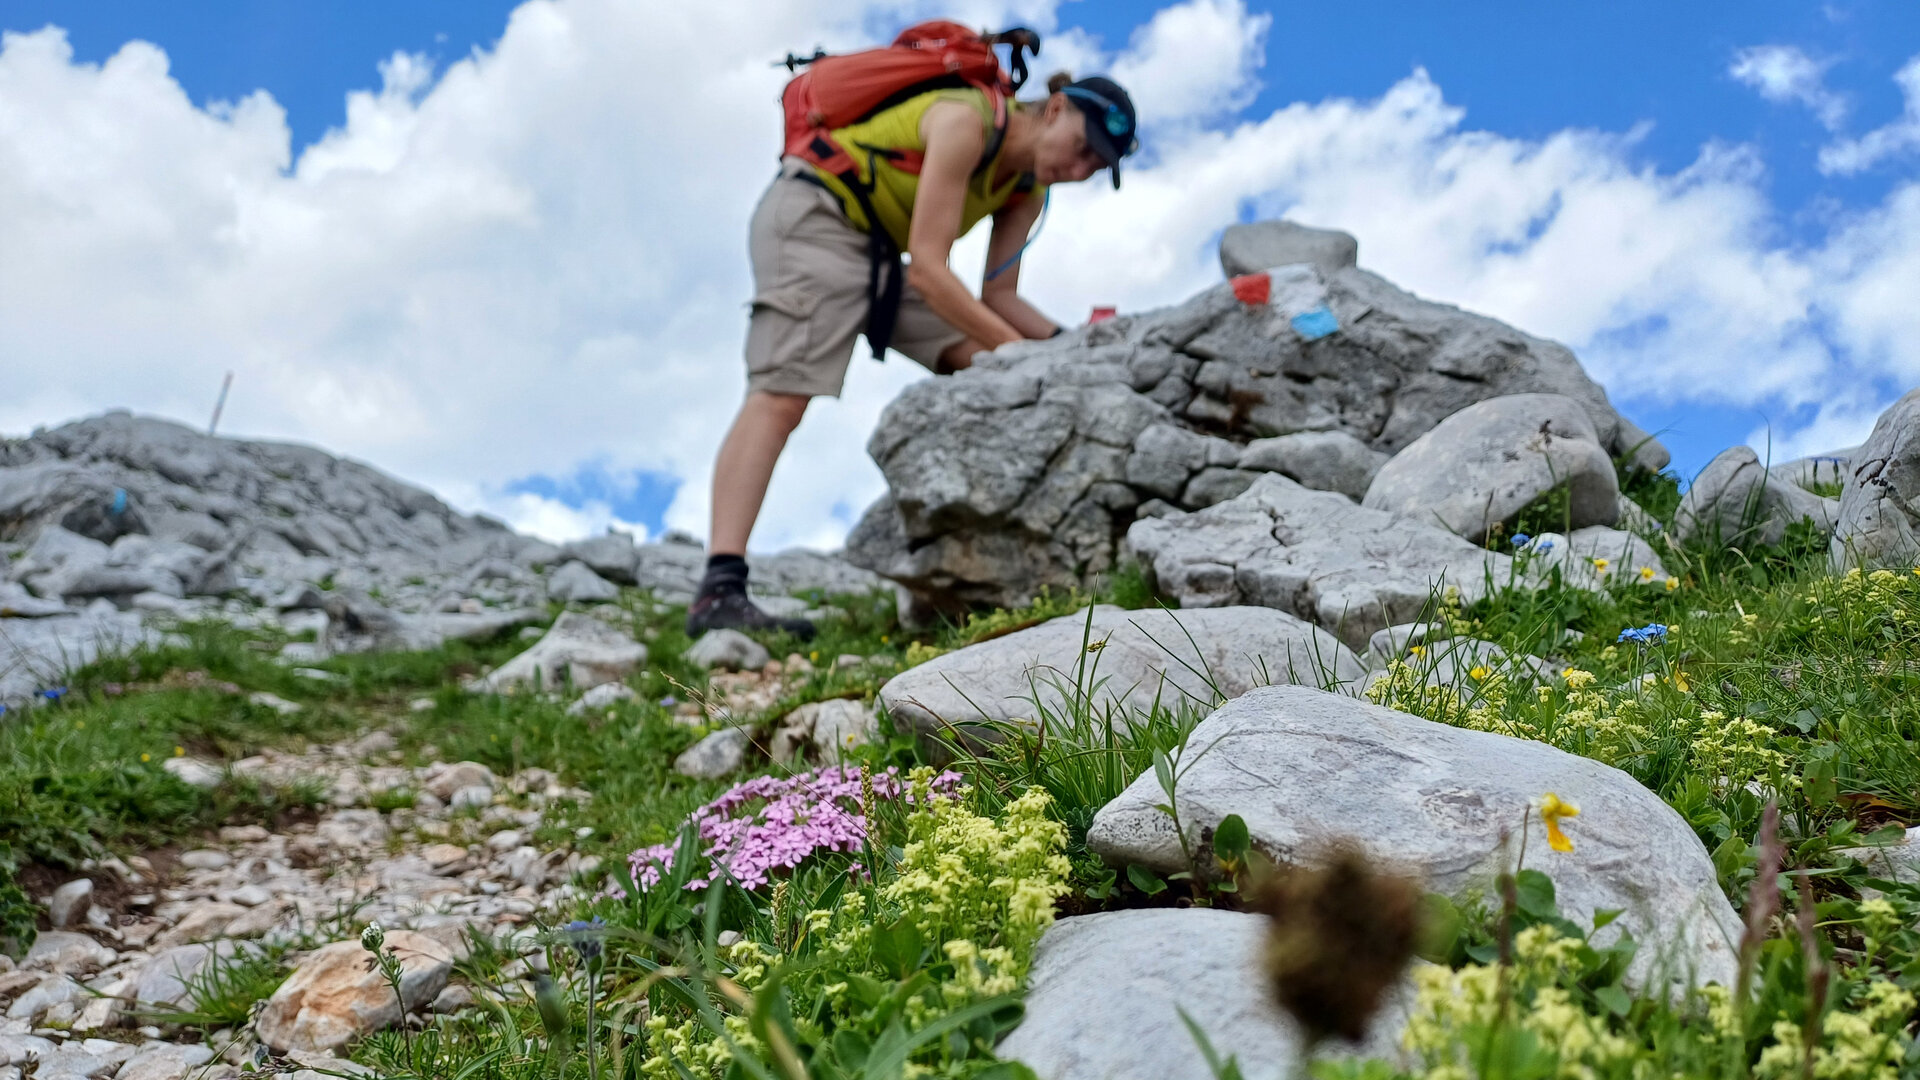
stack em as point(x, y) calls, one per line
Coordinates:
point(782, 410)
point(958, 356)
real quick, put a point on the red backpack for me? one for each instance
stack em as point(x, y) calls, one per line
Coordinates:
point(835, 91)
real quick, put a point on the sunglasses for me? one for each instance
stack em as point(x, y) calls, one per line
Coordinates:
point(1118, 124)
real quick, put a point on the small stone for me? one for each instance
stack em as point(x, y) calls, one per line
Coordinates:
point(442, 856)
point(470, 797)
point(23, 1049)
point(504, 840)
point(425, 704)
point(205, 859)
point(583, 832)
point(70, 903)
point(727, 938)
point(377, 742)
point(728, 650)
point(66, 953)
point(446, 780)
point(273, 701)
point(848, 660)
point(452, 999)
point(250, 896)
point(205, 921)
point(317, 675)
point(243, 834)
point(718, 754)
point(194, 772)
point(601, 697)
point(165, 1062)
point(332, 998)
point(33, 1005)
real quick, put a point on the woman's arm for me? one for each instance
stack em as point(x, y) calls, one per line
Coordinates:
point(954, 144)
point(1010, 228)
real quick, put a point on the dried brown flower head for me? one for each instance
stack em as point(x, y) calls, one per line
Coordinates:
point(1342, 932)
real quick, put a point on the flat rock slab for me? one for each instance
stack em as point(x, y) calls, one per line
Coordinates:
point(38, 653)
point(1313, 554)
point(332, 999)
point(1105, 992)
point(1172, 658)
point(1306, 768)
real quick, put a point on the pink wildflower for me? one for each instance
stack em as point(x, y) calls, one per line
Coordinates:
point(771, 823)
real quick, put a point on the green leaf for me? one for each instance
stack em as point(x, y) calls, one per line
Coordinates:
point(1603, 916)
point(899, 948)
point(1231, 841)
point(1614, 998)
point(850, 1048)
point(1163, 772)
point(1441, 926)
point(1534, 891)
point(1145, 880)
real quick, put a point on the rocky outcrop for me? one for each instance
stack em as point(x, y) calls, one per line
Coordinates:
point(1027, 469)
point(1260, 245)
point(1115, 664)
point(1304, 768)
point(1735, 500)
point(1879, 514)
point(578, 651)
point(1481, 466)
point(1313, 554)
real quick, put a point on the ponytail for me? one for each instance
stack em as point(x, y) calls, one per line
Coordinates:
point(1059, 81)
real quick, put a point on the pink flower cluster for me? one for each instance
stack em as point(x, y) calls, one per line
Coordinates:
point(772, 823)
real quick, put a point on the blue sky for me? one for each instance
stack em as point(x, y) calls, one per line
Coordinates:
point(1520, 72)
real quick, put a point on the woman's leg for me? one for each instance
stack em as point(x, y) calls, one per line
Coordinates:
point(958, 356)
point(745, 465)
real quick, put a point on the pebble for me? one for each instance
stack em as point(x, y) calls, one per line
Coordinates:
point(504, 840)
point(470, 797)
point(70, 903)
point(205, 859)
point(250, 895)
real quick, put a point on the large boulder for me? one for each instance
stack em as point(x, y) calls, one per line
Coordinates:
point(1879, 515)
point(578, 649)
point(1481, 466)
point(1262, 245)
point(1735, 500)
point(1027, 469)
point(1592, 558)
point(1106, 992)
point(1112, 659)
point(575, 582)
point(1304, 768)
point(332, 998)
point(1313, 554)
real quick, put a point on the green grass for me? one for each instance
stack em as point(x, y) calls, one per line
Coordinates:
point(1815, 677)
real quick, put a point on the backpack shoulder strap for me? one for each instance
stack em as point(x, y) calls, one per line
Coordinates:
point(998, 102)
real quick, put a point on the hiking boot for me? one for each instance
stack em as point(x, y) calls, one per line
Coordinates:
point(729, 609)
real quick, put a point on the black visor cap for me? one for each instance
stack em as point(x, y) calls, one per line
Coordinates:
point(1110, 119)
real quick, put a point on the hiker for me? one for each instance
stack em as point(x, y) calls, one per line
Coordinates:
point(820, 274)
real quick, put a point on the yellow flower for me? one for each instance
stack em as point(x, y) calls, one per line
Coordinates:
point(79, 725)
point(1552, 809)
point(885, 640)
point(814, 655)
point(146, 757)
point(1680, 682)
point(1601, 564)
point(1672, 583)
point(1479, 673)
point(1416, 650)
point(1646, 573)
point(179, 751)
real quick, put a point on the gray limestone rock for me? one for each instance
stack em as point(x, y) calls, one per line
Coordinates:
point(17, 603)
point(1262, 245)
point(1485, 463)
point(1305, 768)
point(332, 998)
point(1735, 501)
point(165, 1061)
point(578, 650)
point(1878, 524)
point(1126, 661)
point(576, 582)
point(38, 654)
point(1592, 558)
point(1106, 992)
point(714, 756)
point(729, 650)
point(69, 903)
point(1322, 460)
point(610, 555)
point(823, 730)
point(1313, 554)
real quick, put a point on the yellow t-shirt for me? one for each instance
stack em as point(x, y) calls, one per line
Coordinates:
point(893, 189)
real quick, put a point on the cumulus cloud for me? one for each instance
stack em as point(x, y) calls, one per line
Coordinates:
point(1785, 73)
point(535, 257)
point(1901, 136)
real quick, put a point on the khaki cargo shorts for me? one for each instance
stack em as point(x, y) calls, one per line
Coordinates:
point(810, 294)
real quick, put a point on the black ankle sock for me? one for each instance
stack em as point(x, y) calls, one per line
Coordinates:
point(724, 571)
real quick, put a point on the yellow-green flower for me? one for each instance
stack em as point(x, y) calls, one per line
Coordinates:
point(1672, 583)
point(1552, 809)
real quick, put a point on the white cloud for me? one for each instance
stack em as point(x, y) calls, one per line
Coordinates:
point(547, 518)
point(537, 257)
point(1194, 61)
point(1900, 136)
point(1784, 73)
